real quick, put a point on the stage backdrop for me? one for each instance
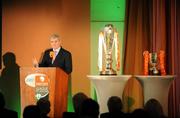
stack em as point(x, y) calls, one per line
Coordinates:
point(27, 25)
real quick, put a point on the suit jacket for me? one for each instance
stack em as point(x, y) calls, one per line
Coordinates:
point(63, 60)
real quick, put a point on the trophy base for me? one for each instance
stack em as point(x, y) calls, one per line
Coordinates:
point(108, 72)
point(154, 72)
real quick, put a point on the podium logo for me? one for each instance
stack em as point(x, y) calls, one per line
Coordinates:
point(30, 79)
point(42, 79)
point(41, 87)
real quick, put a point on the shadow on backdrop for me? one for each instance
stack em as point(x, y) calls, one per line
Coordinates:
point(9, 82)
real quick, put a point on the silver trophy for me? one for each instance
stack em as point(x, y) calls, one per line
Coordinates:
point(108, 44)
point(153, 62)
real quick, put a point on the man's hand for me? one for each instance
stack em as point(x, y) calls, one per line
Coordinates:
point(35, 62)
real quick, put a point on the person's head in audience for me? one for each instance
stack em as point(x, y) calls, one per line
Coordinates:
point(114, 104)
point(78, 98)
point(44, 107)
point(90, 108)
point(139, 113)
point(154, 108)
point(31, 111)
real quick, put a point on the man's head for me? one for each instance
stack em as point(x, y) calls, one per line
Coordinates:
point(114, 104)
point(44, 106)
point(55, 41)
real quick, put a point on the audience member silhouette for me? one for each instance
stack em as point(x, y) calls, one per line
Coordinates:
point(154, 108)
point(44, 107)
point(90, 109)
point(31, 111)
point(70, 115)
point(6, 113)
point(115, 108)
point(139, 113)
point(78, 100)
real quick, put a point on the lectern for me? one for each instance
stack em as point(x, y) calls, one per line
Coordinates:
point(42, 82)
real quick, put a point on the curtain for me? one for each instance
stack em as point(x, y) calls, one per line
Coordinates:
point(152, 25)
point(137, 39)
point(175, 106)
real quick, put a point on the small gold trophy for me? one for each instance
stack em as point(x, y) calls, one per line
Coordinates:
point(153, 63)
point(108, 39)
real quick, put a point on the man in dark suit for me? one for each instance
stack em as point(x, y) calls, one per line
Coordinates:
point(56, 56)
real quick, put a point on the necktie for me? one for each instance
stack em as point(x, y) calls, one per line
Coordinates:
point(55, 54)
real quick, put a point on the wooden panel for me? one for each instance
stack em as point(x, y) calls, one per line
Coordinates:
point(58, 89)
point(61, 91)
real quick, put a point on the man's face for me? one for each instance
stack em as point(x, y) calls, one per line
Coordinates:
point(55, 43)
